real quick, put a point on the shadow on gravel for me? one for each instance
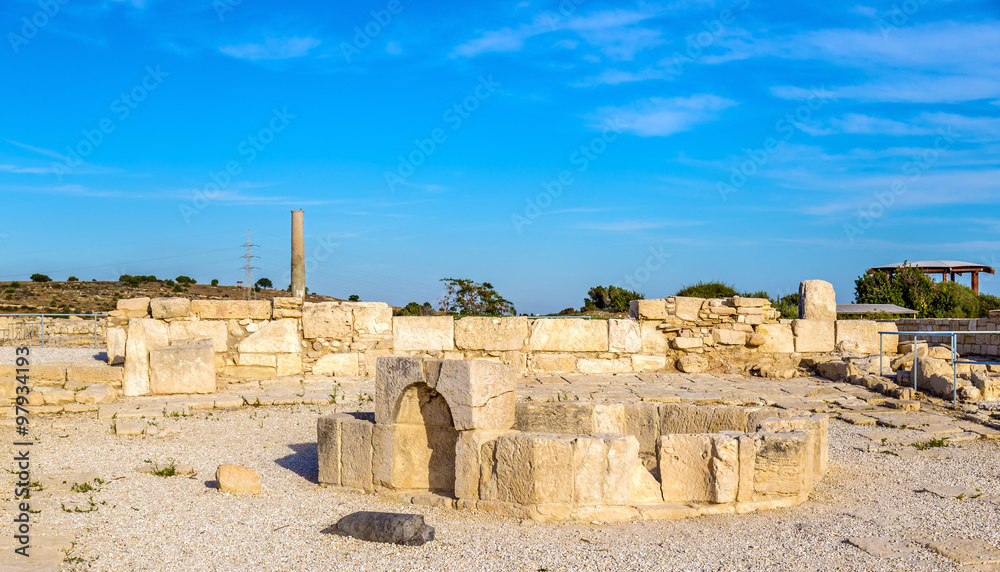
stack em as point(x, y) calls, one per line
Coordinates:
point(304, 462)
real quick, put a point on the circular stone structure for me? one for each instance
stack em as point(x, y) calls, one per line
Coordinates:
point(448, 432)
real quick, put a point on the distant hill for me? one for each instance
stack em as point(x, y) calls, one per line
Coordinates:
point(26, 297)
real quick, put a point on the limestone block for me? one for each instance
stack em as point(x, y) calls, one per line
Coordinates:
point(491, 334)
point(249, 371)
point(183, 330)
point(98, 373)
point(288, 364)
point(563, 417)
point(554, 363)
point(265, 360)
point(415, 456)
point(97, 393)
point(684, 418)
point(595, 365)
point(116, 345)
point(590, 471)
point(642, 363)
point(134, 307)
point(856, 336)
point(392, 375)
point(624, 336)
point(653, 340)
point(729, 337)
point(729, 418)
point(686, 343)
point(642, 419)
point(372, 318)
point(609, 418)
point(890, 343)
point(188, 368)
point(328, 448)
point(817, 300)
point(423, 333)
point(745, 303)
point(655, 309)
point(370, 358)
point(528, 468)
point(692, 363)
point(144, 335)
point(935, 376)
point(286, 307)
point(356, 454)
point(688, 308)
point(698, 468)
point(782, 464)
point(231, 309)
point(468, 460)
point(337, 365)
point(278, 336)
point(778, 338)
point(480, 393)
point(236, 479)
point(818, 425)
point(569, 335)
point(813, 335)
point(56, 396)
point(169, 307)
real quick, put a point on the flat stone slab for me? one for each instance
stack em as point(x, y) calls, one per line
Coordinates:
point(884, 547)
point(952, 491)
point(967, 551)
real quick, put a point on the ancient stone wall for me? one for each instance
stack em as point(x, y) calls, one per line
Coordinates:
point(261, 339)
point(970, 344)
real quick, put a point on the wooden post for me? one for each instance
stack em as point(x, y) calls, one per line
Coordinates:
point(975, 281)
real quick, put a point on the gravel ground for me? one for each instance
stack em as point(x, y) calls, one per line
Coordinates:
point(146, 522)
point(55, 355)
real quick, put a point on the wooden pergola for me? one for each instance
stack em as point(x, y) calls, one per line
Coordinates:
point(945, 268)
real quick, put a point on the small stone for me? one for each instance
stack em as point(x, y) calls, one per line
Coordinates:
point(692, 364)
point(129, 427)
point(389, 527)
point(238, 479)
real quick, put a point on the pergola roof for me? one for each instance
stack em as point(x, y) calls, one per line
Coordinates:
point(873, 309)
point(937, 266)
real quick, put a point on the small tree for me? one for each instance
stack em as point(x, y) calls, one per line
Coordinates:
point(72, 279)
point(40, 278)
point(465, 297)
point(612, 298)
point(264, 283)
point(186, 280)
point(215, 281)
point(354, 298)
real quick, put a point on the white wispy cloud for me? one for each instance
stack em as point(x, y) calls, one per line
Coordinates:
point(272, 49)
point(614, 32)
point(969, 129)
point(630, 225)
point(657, 116)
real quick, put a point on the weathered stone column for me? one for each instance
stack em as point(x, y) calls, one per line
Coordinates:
point(298, 255)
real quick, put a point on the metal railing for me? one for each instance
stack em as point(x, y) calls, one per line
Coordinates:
point(24, 327)
point(954, 361)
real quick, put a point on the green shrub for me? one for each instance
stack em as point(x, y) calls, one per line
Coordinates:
point(40, 278)
point(185, 280)
point(215, 281)
point(15, 284)
point(910, 288)
point(354, 298)
point(611, 298)
point(72, 279)
point(414, 309)
point(708, 290)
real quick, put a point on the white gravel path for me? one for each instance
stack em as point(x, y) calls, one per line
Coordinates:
point(145, 522)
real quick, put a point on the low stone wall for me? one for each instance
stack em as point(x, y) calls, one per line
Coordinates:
point(452, 428)
point(971, 344)
point(64, 384)
point(262, 339)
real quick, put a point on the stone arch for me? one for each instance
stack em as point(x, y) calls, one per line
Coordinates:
point(424, 439)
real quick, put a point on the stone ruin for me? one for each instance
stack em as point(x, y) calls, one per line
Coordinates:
point(449, 433)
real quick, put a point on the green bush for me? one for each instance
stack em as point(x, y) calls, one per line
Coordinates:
point(414, 309)
point(708, 290)
point(72, 279)
point(40, 278)
point(612, 298)
point(15, 284)
point(264, 283)
point(185, 280)
point(910, 288)
point(215, 281)
point(467, 298)
point(354, 298)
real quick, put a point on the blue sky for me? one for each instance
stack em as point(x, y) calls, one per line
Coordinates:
point(544, 147)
